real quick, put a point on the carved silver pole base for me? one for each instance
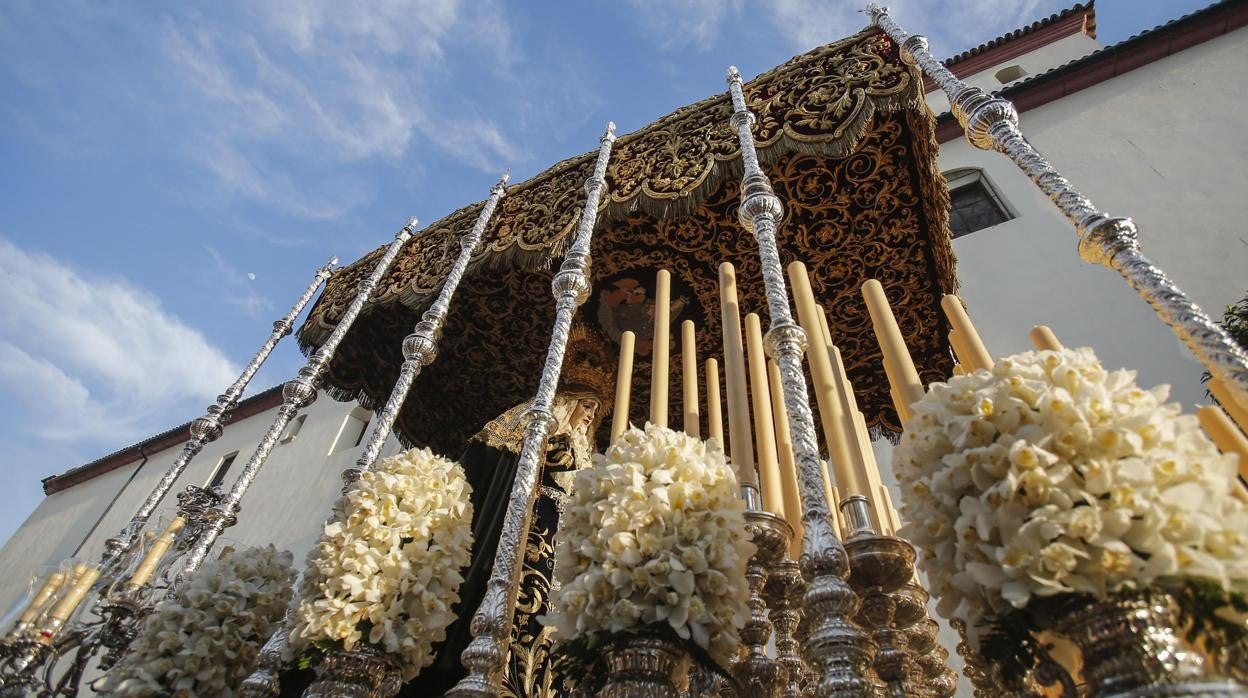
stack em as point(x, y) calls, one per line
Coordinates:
point(643, 667)
point(19, 674)
point(365, 672)
point(879, 567)
point(759, 675)
point(1131, 647)
point(784, 592)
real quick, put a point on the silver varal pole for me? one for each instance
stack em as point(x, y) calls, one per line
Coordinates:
point(296, 394)
point(836, 649)
point(204, 430)
point(491, 624)
point(420, 347)
point(991, 123)
point(419, 350)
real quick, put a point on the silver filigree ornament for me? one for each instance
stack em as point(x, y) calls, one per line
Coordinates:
point(836, 648)
point(491, 623)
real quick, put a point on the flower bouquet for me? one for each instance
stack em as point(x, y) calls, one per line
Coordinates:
point(1051, 493)
point(651, 556)
point(205, 639)
point(386, 572)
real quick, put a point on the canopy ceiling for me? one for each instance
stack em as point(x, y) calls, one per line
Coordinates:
point(847, 141)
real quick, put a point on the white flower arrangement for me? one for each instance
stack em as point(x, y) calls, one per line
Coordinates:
point(654, 534)
point(387, 569)
point(1050, 475)
point(206, 639)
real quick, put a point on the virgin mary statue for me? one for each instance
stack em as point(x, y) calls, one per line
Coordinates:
point(490, 462)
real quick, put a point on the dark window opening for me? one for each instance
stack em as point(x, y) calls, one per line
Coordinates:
point(218, 475)
point(973, 204)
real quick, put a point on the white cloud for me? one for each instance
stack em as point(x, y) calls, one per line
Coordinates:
point(952, 26)
point(329, 84)
point(684, 23)
point(95, 359)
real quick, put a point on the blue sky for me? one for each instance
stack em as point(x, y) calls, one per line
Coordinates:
point(172, 175)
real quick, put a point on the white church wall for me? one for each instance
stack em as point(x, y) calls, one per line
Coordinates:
point(1034, 62)
point(1156, 144)
point(285, 505)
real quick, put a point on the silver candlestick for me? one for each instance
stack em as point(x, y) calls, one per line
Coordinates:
point(879, 566)
point(784, 592)
point(491, 624)
point(836, 649)
point(758, 675)
point(296, 394)
point(991, 123)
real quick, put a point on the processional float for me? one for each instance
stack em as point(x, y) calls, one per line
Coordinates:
point(830, 575)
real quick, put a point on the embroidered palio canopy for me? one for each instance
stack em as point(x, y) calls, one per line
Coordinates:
point(847, 141)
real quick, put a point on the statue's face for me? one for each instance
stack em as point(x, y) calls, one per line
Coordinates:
point(584, 413)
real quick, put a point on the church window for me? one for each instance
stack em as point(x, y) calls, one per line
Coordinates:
point(974, 204)
point(1010, 73)
point(292, 429)
point(218, 473)
point(354, 427)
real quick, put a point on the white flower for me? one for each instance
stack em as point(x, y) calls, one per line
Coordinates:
point(206, 640)
point(1050, 475)
point(389, 562)
point(654, 533)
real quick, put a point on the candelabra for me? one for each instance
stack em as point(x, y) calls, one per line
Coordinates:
point(784, 592)
point(491, 624)
point(879, 567)
point(991, 123)
point(758, 675)
point(23, 656)
point(119, 614)
point(836, 648)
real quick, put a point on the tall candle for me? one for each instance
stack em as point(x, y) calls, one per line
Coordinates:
point(764, 424)
point(861, 455)
point(660, 376)
point(788, 464)
point(623, 385)
point(155, 553)
point(1237, 411)
point(739, 435)
point(827, 492)
point(961, 351)
point(42, 598)
point(976, 354)
point(1225, 434)
point(1043, 338)
point(689, 379)
point(84, 577)
point(831, 415)
point(836, 511)
point(894, 519)
point(714, 418)
point(873, 469)
point(897, 361)
point(903, 410)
